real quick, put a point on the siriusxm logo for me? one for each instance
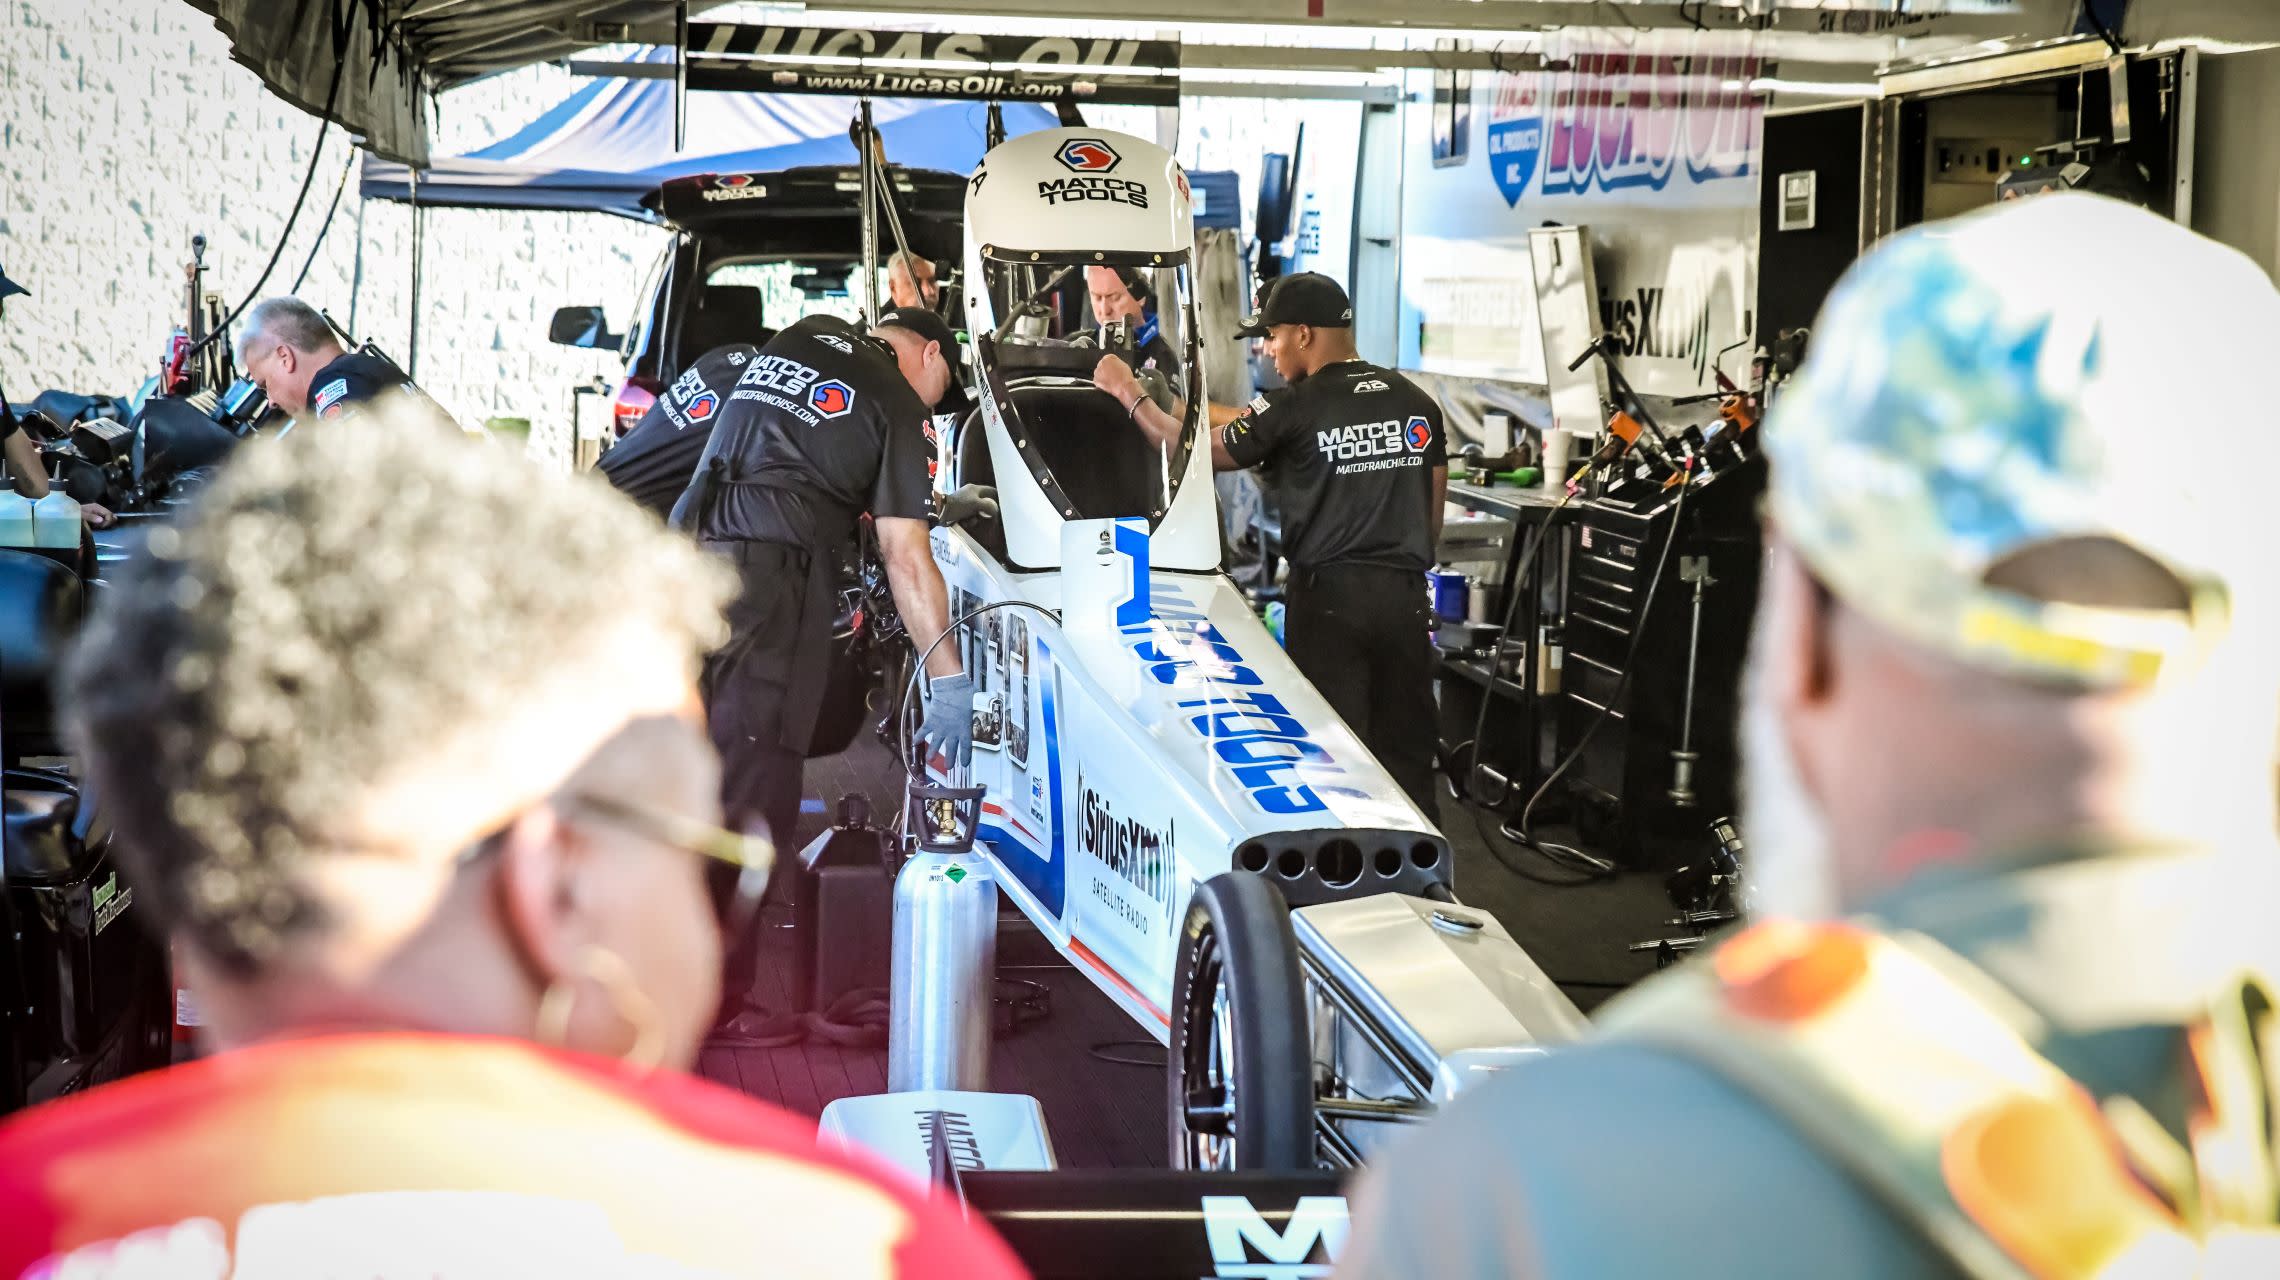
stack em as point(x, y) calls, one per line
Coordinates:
point(1256, 739)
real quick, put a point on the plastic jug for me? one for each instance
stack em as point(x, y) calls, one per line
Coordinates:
point(15, 520)
point(57, 521)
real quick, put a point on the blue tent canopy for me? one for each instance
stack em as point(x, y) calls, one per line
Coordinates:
point(611, 142)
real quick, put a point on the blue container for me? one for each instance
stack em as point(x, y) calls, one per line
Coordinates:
point(1450, 594)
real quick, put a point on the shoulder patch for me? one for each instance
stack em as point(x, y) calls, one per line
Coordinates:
point(329, 395)
point(1258, 403)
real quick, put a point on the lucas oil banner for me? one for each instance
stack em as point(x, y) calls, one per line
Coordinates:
point(747, 58)
point(1652, 147)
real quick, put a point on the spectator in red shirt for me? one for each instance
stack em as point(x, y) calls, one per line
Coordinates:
point(401, 742)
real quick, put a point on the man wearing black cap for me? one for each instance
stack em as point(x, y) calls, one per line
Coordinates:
point(1356, 458)
point(826, 422)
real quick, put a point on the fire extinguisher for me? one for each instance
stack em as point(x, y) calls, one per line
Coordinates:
point(174, 375)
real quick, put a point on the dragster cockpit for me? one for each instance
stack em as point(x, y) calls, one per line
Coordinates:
point(1082, 244)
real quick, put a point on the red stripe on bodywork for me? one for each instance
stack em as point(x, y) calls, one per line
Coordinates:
point(1086, 954)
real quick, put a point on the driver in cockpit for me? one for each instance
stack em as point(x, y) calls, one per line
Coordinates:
point(1119, 294)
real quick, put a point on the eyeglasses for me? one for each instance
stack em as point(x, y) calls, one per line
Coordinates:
point(754, 856)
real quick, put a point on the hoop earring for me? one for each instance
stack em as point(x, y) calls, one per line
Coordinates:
point(626, 999)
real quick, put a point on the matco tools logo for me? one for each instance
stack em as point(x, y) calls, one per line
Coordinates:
point(697, 402)
point(1375, 446)
point(793, 387)
point(1087, 155)
point(1091, 156)
point(1306, 1248)
point(832, 399)
point(735, 186)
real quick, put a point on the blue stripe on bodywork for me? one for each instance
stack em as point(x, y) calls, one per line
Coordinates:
point(1045, 876)
point(1132, 544)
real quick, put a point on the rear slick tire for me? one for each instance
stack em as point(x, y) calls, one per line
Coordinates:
point(1240, 1070)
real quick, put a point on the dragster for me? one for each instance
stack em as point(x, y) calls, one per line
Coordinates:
point(1156, 787)
point(1169, 801)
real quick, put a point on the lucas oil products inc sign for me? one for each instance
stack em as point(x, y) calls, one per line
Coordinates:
point(1654, 147)
point(751, 58)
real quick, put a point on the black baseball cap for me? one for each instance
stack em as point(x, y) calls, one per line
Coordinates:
point(925, 324)
point(1308, 298)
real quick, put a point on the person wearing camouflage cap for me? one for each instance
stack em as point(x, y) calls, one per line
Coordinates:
point(2005, 1007)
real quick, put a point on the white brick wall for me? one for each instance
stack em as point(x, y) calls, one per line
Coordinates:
point(125, 128)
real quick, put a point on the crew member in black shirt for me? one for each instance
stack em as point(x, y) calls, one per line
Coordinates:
point(655, 461)
point(826, 422)
point(1356, 458)
point(292, 353)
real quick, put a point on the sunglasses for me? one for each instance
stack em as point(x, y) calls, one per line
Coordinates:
point(753, 856)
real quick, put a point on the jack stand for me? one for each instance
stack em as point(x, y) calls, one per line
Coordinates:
point(1694, 569)
point(1707, 895)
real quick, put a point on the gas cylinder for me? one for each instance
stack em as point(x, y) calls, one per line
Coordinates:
point(945, 950)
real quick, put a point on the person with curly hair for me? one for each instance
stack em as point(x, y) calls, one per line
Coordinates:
point(401, 742)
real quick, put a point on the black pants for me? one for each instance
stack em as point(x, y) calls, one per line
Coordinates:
point(1359, 633)
point(760, 778)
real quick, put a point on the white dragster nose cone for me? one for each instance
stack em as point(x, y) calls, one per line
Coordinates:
point(1059, 191)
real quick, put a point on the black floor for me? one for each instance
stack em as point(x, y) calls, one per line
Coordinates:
point(1105, 1113)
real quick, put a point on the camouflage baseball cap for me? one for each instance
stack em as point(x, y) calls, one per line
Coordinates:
point(2056, 368)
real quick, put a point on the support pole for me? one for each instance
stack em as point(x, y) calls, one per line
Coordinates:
point(680, 76)
point(870, 220)
point(419, 226)
point(356, 270)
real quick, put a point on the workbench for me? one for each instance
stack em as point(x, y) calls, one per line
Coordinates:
point(1531, 510)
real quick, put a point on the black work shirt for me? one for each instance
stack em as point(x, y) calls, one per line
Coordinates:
point(696, 397)
point(346, 385)
point(1350, 453)
point(820, 427)
point(656, 460)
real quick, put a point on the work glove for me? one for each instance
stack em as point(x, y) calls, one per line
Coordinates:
point(949, 726)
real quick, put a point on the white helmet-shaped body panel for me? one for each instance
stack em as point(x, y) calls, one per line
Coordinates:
point(1046, 214)
point(1089, 190)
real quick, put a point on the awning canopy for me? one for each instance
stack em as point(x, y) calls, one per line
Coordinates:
point(611, 142)
point(397, 53)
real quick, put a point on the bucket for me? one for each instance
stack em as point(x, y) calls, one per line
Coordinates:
point(1449, 594)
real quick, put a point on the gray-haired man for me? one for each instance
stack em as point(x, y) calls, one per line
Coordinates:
point(295, 356)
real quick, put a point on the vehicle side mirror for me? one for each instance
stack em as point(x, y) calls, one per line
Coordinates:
point(582, 327)
point(968, 503)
